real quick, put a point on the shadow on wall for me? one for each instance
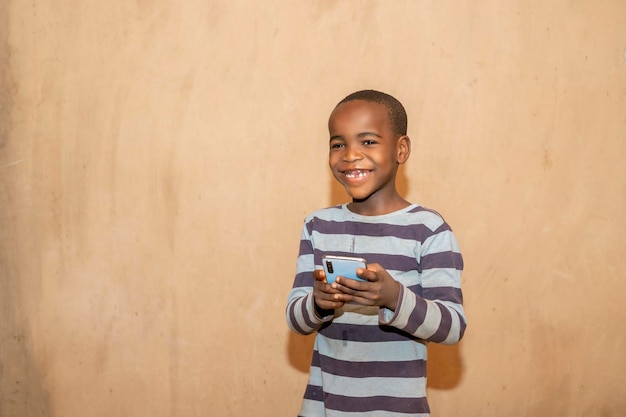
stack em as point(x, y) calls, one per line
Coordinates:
point(300, 351)
point(445, 366)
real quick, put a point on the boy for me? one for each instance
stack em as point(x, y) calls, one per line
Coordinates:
point(369, 355)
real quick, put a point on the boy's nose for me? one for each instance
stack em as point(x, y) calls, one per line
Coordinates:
point(351, 154)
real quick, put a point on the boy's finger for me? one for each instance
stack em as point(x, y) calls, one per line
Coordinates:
point(348, 285)
point(367, 274)
point(319, 275)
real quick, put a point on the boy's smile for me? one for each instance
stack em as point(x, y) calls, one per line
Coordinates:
point(356, 175)
point(365, 154)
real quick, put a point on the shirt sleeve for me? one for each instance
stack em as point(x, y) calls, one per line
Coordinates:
point(437, 314)
point(301, 313)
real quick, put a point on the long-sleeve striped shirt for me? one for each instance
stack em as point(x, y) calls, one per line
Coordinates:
point(371, 361)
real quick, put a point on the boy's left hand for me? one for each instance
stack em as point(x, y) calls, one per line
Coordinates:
point(380, 289)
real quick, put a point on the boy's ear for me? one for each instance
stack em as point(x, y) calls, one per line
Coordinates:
point(403, 149)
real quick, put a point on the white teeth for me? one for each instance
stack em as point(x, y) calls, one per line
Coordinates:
point(356, 174)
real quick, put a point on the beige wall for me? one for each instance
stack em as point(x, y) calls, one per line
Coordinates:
point(157, 159)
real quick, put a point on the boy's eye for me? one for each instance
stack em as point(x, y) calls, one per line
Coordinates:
point(369, 142)
point(336, 145)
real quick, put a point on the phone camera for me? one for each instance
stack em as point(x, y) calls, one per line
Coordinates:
point(329, 266)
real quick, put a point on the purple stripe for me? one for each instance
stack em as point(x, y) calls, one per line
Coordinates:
point(445, 227)
point(462, 330)
point(292, 317)
point(452, 294)
point(442, 260)
point(303, 279)
point(305, 247)
point(399, 262)
point(417, 289)
point(314, 392)
point(380, 403)
point(310, 225)
point(417, 231)
point(315, 359)
point(444, 325)
point(417, 315)
point(305, 314)
point(398, 369)
point(364, 333)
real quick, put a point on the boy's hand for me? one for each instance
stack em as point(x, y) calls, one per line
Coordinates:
point(323, 294)
point(380, 289)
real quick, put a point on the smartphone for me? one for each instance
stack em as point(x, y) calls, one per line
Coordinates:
point(343, 266)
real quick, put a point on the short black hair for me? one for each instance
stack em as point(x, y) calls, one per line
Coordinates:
point(397, 114)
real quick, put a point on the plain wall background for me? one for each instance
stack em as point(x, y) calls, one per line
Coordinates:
point(157, 159)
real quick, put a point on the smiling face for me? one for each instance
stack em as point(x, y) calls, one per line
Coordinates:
point(365, 154)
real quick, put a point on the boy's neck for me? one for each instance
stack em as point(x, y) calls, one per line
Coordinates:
point(373, 207)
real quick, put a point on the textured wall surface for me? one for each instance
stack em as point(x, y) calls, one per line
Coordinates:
point(157, 159)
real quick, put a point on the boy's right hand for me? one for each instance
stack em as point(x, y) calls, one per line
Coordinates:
point(323, 293)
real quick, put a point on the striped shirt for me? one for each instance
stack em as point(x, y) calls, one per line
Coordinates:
point(371, 361)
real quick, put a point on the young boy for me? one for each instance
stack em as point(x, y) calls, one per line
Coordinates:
point(369, 356)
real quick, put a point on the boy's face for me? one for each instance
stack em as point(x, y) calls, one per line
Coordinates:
point(364, 151)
